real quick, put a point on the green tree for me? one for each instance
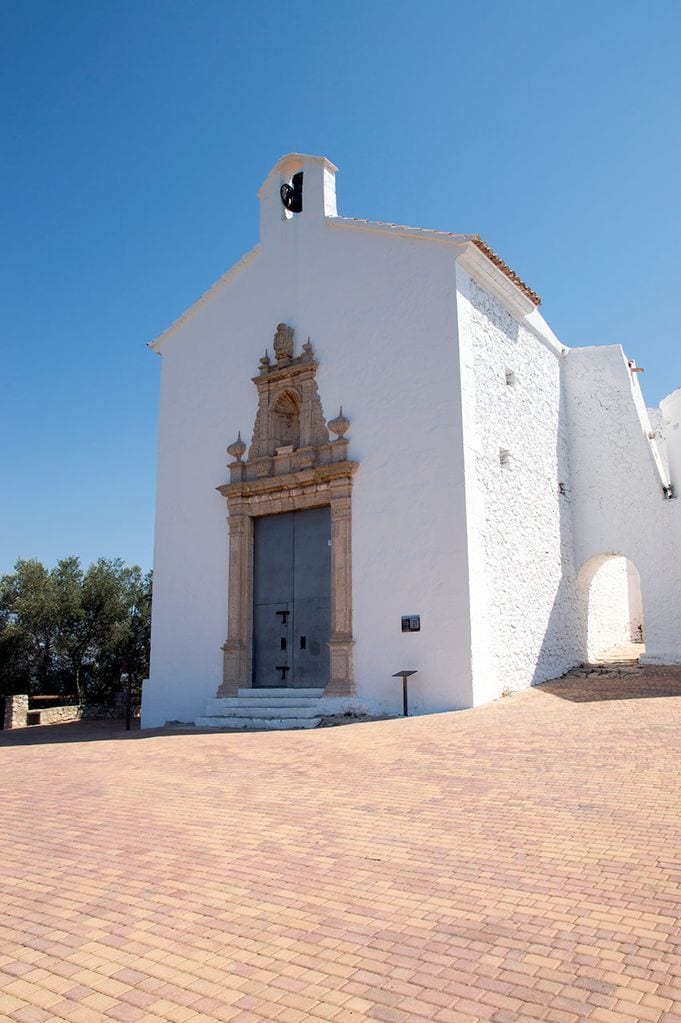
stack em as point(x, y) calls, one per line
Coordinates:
point(129, 650)
point(15, 659)
point(68, 629)
point(90, 607)
point(31, 619)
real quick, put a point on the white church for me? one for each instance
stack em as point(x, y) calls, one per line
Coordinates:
point(420, 476)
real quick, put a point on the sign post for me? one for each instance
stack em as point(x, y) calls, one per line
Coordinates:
point(404, 675)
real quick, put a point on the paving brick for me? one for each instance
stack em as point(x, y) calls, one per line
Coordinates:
point(513, 863)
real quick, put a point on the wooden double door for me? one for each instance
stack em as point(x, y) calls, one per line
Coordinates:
point(292, 599)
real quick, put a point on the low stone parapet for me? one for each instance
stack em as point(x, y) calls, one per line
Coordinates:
point(19, 714)
point(16, 711)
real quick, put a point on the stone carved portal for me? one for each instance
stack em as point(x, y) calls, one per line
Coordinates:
point(292, 464)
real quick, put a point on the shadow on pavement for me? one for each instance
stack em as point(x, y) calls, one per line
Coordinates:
point(647, 683)
point(99, 731)
point(84, 731)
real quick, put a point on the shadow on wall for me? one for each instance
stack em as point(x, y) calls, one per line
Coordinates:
point(562, 646)
point(595, 609)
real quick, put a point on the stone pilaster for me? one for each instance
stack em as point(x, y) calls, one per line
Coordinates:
point(341, 643)
point(237, 648)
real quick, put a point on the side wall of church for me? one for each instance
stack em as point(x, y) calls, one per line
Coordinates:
point(618, 475)
point(381, 314)
point(523, 592)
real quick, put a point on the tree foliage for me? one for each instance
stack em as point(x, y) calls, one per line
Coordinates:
point(71, 631)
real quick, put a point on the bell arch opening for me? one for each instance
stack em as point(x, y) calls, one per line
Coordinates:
point(611, 607)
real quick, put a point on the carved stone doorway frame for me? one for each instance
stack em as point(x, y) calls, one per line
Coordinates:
point(283, 479)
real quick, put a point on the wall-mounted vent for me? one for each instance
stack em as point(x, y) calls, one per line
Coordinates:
point(504, 457)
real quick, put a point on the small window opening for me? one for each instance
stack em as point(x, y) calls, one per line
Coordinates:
point(504, 457)
point(510, 377)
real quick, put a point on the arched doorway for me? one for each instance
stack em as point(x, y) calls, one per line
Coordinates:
point(612, 607)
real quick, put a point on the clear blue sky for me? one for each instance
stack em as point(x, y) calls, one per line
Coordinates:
point(134, 138)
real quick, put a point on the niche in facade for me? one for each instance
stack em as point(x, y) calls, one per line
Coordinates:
point(285, 415)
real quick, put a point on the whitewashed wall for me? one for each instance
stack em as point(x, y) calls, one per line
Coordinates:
point(637, 623)
point(617, 481)
point(381, 314)
point(524, 605)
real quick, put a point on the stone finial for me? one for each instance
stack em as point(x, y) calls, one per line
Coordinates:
point(237, 449)
point(308, 353)
point(265, 362)
point(340, 425)
point(283, 342)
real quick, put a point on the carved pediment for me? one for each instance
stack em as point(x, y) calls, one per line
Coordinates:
point(290, 431)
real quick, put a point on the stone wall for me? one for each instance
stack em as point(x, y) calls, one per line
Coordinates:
point(18, 713)
point(57, 715)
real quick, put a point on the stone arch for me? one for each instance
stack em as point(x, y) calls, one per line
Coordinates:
point(611, 605)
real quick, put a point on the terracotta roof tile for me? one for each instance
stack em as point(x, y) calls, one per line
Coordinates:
point(505, 268)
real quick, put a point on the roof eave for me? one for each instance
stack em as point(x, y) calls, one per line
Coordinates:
point(157, 344)
point(402, 230)
point(529, 301)
point(493, 278)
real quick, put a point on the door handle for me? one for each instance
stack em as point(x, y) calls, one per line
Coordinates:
point(283, 668)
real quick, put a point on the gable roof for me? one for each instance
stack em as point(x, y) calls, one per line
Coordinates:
point(474, 239)
point(378, 225)
point(155, 343)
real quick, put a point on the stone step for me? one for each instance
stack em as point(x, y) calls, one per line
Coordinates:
point(225, 704)
point(280, 692)
point(257, 723)
point(265, 712)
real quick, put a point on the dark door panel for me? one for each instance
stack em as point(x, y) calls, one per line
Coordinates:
point(272, 599)
point(273, 561)
point(312, 597)
point(272, 646)
point(292, 599)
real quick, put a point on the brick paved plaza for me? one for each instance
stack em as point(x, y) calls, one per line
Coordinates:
point(517, 862)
